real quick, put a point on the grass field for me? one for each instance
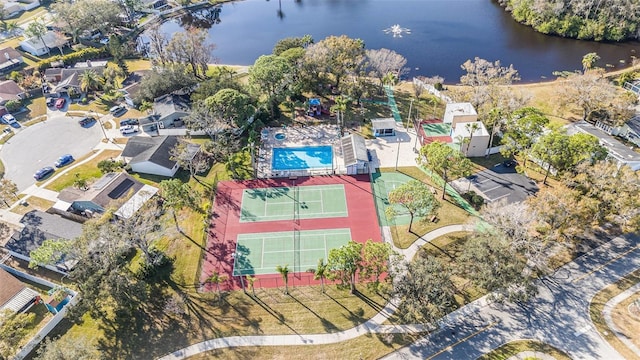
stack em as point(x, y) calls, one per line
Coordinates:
point(284, 203)
point(515, 347)
point(260, 253)
point(87, 171)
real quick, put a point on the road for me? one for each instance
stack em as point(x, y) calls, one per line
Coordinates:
point(41, 144)
point(558, 315)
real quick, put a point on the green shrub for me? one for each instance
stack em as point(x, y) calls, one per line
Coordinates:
point(89, 53)
point(13, 105)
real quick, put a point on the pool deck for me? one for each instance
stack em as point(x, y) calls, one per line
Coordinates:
point(321, 135)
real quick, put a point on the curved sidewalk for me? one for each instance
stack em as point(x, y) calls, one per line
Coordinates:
point(609, 306)
point(372, 325)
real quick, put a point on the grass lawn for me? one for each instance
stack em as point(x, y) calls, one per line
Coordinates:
point(448, 214)
point(36, 107)
point(626, 316)
point(371, 346)
point(597, 305)
point(33, 203)
point(88, 171)
point(515, 347)
point(448, 248)
point(138, 64)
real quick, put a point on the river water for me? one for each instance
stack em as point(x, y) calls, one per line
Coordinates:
point(442, 34)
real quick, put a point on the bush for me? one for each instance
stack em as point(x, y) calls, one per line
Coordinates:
point(107, 166)
point(474, 199)
point(89, 53)
point(13, 105)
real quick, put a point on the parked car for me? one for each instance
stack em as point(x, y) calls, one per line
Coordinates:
point(116, 110)
point(64, 160)
point(510, 163)
point(86, 120)
point(44, 172)
point(128, 129)
point(60, 103)
point(129, 121)
point(51, 101)
point(10, 120)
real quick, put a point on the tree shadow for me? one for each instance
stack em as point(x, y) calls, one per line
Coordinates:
point(326, 324)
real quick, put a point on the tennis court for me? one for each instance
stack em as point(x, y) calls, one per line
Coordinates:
point(261, 253)
point(436, 129)
point(292, 203)
point(383, 184)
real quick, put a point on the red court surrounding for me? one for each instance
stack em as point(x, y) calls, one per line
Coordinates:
point(225, 224)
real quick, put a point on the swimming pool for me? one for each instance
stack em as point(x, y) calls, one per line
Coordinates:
point(301, 158)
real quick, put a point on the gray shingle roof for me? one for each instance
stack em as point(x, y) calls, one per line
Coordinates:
point(153, 149)
point(40, 226)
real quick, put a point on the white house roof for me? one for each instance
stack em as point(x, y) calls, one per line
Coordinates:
point(458, 109)
point(615, 148)
point(50, 38)
point(462, 130)
point(353, 149)
point(383, 123)
point(137, 200)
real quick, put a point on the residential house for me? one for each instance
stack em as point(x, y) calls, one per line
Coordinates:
point(15, 296)
point(383, 127)
point(131, 86)
point(38, 227)
point(629, 130)
point(170, 109)
point(354, 154)
point(35, 45)
point(113, 189)
point(466, 130)
point(149, 155)
point(10, 59)
point(9, 90)
point(13, 8)
point(68, 78)
point(619, 152)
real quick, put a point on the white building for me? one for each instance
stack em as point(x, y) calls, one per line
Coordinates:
point(466, 130)
point(36, 47)
point(354, 153)
point(622, 154)
point(152, 155)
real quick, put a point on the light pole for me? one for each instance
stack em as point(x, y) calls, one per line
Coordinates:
point(398, 154)
point(409, 117)
point(93, 114)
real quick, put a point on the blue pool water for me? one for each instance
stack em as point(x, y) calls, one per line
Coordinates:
point(300, 158)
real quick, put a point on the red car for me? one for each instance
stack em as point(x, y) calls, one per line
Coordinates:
point(60, 103)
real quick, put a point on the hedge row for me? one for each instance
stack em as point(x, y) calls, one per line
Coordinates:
point(89, 53)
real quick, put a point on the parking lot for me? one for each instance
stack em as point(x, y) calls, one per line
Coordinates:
point(497, 183)
point(42, 144)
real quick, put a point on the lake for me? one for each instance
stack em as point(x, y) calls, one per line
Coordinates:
point(443, 34)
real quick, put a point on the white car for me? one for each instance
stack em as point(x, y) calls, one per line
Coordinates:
point(10, 120)
point(128, 129)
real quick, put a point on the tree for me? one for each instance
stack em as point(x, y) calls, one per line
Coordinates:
point(563, 152)
point(523, 128)
point(112, 75)
point(37, 29)
point(231, 107)
point(178, 195)
point(425, 290)
point(291, 43)
point(492, 264)
point(594, 94)
point(158, 82)
point(284, 272)
point(589, 61)
point(320, 273)
point(217, 279)
point(89, 80)
point(416, 198)
point(269, 76)
point(13, 328)
point(480, 72)
point(337, 56)
point(8, 191)
point(109, 165)
point(471, 128)
point(51, 252)
point(344, 263)
point(375, 261)
point(383, 62)
point(340, 107)
point(251, 281)
point(86, 15)
point(67, 348)
point(188, 158)
point(613, 191)
point(444, 161)
point(190, 48)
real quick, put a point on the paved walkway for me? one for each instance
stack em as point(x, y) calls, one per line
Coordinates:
point(610, 305)
point(371, 326)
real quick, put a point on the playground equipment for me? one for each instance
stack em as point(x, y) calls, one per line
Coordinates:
point(316, 108)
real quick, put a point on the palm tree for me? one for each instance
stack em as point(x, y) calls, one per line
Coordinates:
point(471, 128)
point(37, 29)
point(89, 80)
point(216, 278)
point(321, 272)
point(251, 280)
point(340, 107)
point(284, 271)
point(589, 61)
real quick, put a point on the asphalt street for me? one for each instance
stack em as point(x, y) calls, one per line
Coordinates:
point(558, 315)
point(43, 143)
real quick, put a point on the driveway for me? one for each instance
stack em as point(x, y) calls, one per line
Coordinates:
point(41, 144)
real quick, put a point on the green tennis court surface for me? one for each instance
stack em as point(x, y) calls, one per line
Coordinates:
point(383, 184)
point(437, 129)
point(290, 203)
point(260, 253)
